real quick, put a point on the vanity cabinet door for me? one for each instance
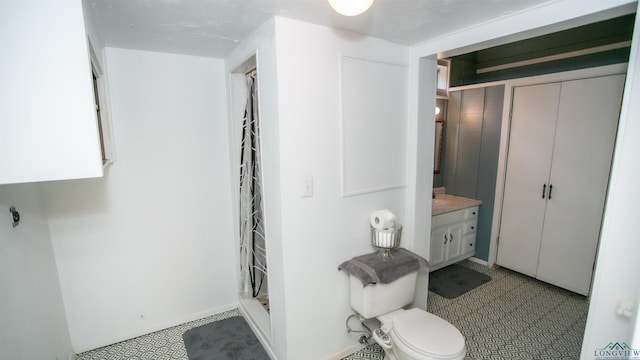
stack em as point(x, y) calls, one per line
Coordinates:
point(447, 242)
point(454, 246)
point(439, 240)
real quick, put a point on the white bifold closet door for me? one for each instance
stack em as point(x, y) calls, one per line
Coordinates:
point(533, 124)
point(560, 150)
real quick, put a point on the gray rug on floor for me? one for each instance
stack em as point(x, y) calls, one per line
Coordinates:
point(455, 280)
point(228, 339)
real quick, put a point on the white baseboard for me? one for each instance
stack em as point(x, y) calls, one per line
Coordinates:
point(479, 261)
point(344, 353)
point(151, 329)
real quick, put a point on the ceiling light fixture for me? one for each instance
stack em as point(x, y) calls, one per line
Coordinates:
point(350, 7)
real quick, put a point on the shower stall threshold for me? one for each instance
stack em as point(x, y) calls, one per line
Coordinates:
point(257, 316)
point(264, 301)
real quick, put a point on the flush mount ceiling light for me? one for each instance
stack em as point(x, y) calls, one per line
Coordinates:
point(350, 7)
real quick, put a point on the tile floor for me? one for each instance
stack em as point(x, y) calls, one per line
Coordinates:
point(511, 317)
point(161, 345)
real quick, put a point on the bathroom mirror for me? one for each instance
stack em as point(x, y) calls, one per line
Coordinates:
point(437, 150)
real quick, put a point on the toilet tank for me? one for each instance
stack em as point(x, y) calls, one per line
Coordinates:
point(374, 300)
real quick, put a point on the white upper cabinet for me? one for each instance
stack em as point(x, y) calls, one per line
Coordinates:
point(48, 128)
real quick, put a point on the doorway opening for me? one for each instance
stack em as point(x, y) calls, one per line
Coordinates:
point(252, 237)
point(474, 71)
point(253, 250)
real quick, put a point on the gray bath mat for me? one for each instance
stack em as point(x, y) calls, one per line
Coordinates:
point(228, 339)
point(455, 280)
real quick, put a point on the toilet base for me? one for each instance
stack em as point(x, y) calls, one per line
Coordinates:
point(396, 349)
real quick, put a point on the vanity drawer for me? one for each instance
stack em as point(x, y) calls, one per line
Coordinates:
point(447, 218)
point(470, 226)
point(471, 213)
point(469, 244)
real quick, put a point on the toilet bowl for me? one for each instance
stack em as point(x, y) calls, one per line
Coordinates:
point(415, 334)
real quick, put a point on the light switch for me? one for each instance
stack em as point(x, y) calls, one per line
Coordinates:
point(307, 186)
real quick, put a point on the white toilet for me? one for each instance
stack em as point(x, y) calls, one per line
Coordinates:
point(412, 334)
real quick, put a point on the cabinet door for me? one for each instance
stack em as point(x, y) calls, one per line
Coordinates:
point(454, 246)
point(439, 239)
point(533, 119)
point(587, 121)
point(48, 125)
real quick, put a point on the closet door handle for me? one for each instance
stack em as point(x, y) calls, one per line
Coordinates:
point(550, 189)
point(445, 238)
point(544, 189)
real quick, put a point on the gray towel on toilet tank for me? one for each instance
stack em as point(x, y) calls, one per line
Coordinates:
point(372, 269)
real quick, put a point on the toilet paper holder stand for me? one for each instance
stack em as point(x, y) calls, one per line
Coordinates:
point(385, 240)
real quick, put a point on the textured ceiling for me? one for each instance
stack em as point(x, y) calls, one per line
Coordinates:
point(214, 27)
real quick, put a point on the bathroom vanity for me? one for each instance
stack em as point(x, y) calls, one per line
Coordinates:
point(454, 224)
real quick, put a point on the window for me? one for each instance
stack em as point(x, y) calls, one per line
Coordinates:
point(101, 115)
point(96, 95)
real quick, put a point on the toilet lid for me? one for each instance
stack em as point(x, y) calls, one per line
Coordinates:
point(428, 334)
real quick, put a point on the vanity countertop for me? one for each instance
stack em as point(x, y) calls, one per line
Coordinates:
point(444, 203)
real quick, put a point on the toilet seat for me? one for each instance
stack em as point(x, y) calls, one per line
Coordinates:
point(428, 335)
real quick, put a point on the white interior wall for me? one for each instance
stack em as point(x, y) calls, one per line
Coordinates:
point(617, 273)
point(33, 323)
point(420, 145)
point(149, 245)
point(300, 132)
point(372, 120)
point(320, 232)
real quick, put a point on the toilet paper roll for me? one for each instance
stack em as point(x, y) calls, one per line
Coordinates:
point(383, 219)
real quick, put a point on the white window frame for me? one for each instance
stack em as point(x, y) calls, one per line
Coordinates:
point(102, 109)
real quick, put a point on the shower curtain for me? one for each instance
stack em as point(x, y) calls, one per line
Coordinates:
point(253, 255)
